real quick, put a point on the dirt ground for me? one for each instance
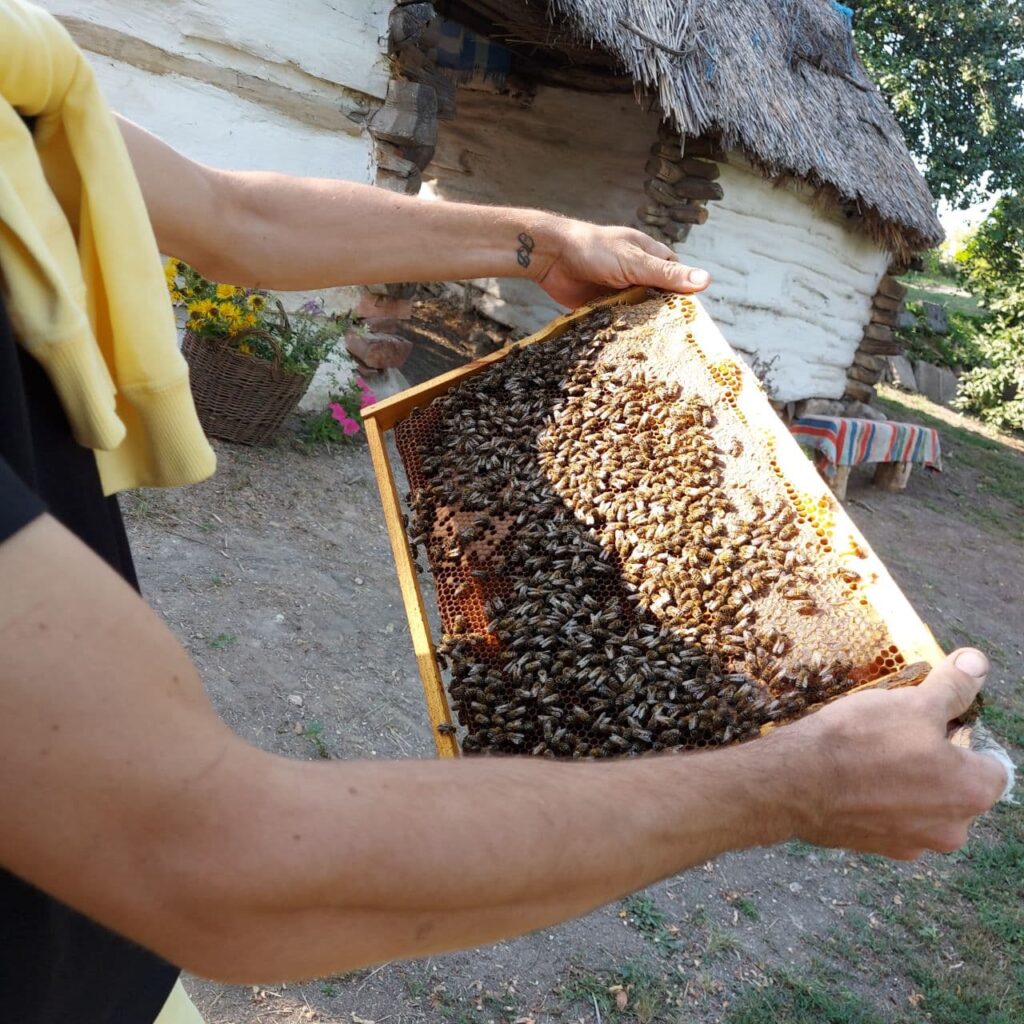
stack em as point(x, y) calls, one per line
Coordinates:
point(277, 577)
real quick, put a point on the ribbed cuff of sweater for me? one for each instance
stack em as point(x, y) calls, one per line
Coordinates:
point(165, 445)
point(83, 385)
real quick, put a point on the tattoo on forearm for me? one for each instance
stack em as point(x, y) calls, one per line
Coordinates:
point(526, 244)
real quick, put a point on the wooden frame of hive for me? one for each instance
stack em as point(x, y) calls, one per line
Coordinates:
point(908, 632)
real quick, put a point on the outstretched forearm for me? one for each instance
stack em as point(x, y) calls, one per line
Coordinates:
point(277, 231)
point(285, 232)
point(371, 862)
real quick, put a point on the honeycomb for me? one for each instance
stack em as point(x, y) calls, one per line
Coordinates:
point(621, 558)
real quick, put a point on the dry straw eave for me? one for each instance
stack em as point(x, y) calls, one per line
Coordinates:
point(779, 81)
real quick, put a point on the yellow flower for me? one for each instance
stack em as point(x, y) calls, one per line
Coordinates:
point(249, 321)
point(171, 268)
point(227, 291)
point(246, 348)
point(257, 301)
point(176, 295)
point(202, 307)
point(229, 311)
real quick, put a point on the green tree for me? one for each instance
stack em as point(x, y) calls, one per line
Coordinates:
point(953, 73)
point(992, 263)
point(992, 260)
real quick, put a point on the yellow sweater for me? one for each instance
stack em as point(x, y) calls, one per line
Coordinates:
point(79, 266)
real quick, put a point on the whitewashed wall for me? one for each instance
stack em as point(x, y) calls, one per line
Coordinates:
point(248, 84)
point(245, 84)
point(789, 280)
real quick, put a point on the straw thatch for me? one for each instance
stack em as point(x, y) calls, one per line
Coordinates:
point(778, 80)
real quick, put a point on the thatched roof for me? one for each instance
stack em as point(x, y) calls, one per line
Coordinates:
point(778, 80)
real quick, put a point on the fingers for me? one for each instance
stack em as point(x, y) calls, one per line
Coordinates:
point(655, 248)
point(987, 780)
point(664, 273)
point(952, 685)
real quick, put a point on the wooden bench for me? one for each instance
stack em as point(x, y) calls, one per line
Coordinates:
point(842, 442)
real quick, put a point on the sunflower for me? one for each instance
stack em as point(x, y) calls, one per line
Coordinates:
point(229, 311)
point(227, 291)
point(256, 301)
point(202, 307)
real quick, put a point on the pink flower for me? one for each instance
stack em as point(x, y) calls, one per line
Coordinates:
point(348, 425)
point(367, 397)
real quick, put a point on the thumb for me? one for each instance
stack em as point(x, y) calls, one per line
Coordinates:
point(654, 272)
point(950, 687)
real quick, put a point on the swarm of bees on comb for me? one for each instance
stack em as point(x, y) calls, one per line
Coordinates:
point(608, 582)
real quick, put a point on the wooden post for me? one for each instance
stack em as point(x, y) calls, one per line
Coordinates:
point(893, 476)
point(839, 481)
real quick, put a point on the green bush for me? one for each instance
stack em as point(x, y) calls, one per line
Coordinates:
point(994, 390)
point(992, 260)
point(959, 349)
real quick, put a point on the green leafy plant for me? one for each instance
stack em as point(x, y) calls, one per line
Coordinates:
point(958, 350)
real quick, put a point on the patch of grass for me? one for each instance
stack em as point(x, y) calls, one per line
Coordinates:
point(631, 992)
point(314, 732)
point(329, 989)
point(956, 938)
point(947, 291)
point(642, 913)
point(747, 908)
point(798, 848)
point(718, 942)
point(792, 1000)
point(222, 640)
point(1007, 725)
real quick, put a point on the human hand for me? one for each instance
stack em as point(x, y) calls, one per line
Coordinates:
point(882, 775)
point(587, 261)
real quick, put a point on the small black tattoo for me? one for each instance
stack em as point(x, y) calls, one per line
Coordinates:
point(526, 244)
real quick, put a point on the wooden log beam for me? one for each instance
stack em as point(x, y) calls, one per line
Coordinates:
point(408, 117)
point(892, 288)
point(698, 188)
point(861, 375)
point(885, 317)
point(872, 346)
point(689, 213)
point(869, 362)
point(859, 391)
point(879, 332)
point(885, 302)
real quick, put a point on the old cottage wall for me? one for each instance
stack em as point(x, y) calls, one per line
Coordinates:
point(250, 84)
point(791, 282)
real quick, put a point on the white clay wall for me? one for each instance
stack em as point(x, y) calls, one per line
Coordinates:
point(789, 281)
point(245, 84)
point(249, 84)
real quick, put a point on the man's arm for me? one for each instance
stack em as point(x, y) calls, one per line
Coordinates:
point(277, 231)
point(126, 796)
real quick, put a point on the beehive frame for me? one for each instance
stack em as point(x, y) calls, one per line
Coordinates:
point(908, 632)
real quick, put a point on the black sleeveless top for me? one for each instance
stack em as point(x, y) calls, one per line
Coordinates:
point(57, 966)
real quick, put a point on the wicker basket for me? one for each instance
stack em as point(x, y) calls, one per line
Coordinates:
point(240, 398)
